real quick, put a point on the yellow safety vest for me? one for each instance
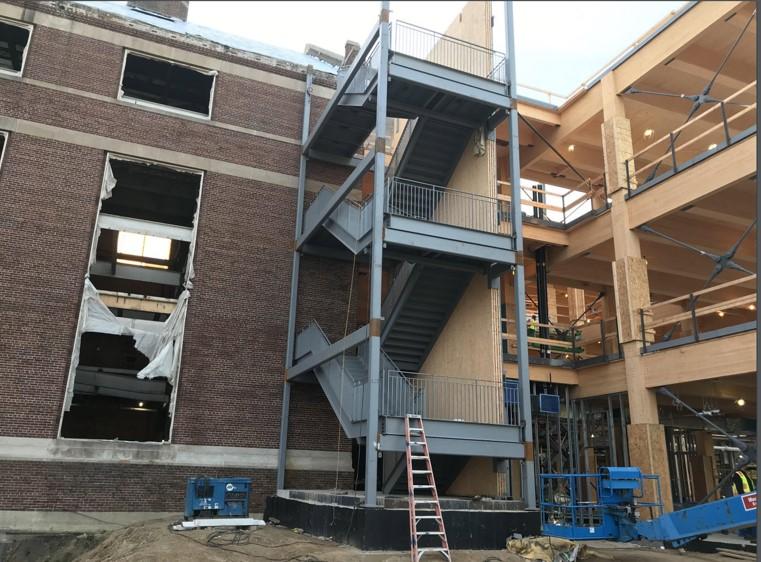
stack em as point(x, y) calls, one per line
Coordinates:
point(747, 485)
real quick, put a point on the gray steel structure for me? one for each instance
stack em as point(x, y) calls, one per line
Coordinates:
point(371, 376)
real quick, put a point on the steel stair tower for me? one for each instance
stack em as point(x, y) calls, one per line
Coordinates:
point(433, 239)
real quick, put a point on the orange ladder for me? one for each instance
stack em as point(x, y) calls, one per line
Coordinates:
point(414, 436)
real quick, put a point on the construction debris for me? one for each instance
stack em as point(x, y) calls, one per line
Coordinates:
point(549, 549)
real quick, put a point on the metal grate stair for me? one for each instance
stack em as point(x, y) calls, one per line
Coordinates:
point(413, 426)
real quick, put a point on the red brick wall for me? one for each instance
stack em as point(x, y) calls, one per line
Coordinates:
point(49, 193)
point(74, 61)
point(230, 385)
point(50, 486)
point(66, 486)
point(107, 21)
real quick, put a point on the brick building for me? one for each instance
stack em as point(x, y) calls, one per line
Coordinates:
point(202, 140)
point(150, 173)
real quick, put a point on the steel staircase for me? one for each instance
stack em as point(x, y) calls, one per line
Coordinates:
point(415, 318)
point(338, 389)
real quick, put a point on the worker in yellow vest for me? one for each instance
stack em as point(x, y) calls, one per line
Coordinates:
point(742, 483)
point(533, 326)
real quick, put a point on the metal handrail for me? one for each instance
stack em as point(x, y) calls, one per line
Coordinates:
point(688, 320)
point(723, 139)
point(446, 398)
point(443, 205)
point(425, 44)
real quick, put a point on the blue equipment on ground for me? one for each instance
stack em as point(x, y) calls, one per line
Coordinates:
point(606, 506)
point(217, 497)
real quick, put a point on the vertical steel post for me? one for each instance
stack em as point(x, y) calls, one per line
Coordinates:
point(376, 264)
point(624, 437)
point(294, 282)
point(611, 433)
point(519, 284)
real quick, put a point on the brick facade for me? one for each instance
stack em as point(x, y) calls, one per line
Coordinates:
point(230, 386)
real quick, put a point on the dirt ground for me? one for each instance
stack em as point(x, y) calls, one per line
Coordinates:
point(153, 541)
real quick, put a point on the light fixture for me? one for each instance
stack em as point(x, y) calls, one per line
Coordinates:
point(649, 133)
point(712, 146)
point(588, 320)
point(592, 435)
point(752, 307)
point(571, 147)
point(599, 341)
point(140, 404)
point(740, 402)
point(610, 200)
point(565, 295)
point(721, 314)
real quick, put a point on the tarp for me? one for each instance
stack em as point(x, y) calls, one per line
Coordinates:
point(161, 348)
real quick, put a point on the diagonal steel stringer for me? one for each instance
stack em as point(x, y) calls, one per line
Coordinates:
point(721, 262)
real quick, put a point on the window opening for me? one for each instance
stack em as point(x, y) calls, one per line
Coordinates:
point(131, 324)
point(3, 139)
point(14, 40)
point(165, 83)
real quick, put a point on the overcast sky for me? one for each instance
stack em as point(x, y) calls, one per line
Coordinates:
point(558, 44)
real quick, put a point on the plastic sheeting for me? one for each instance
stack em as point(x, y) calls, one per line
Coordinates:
point(161, 348)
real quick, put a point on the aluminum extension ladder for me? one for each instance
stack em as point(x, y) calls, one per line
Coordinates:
point(414, 436)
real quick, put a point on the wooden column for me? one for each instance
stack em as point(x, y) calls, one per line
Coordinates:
point(552, 303)
point(576, 303)
point(647, 438)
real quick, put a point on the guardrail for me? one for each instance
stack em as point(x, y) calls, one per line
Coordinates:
point(442, 205)
point(446, 398)
point(661, 327)
point(709, 132)
point(561, 207)
point(425, 44)
point(571, 504)
point(585, 342)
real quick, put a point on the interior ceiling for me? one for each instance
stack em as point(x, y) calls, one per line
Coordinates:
point(719, 393)
point(687, 73)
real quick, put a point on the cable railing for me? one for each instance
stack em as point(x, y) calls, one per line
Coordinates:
point(564, 205)
point(723, 124)
point(425, 44)
point(712, 312)
point(432, 203)
point(446, 398)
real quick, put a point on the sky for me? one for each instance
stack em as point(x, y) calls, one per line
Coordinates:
point(558, 44)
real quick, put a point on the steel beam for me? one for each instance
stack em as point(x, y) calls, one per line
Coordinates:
point(337, 198)
point(519, 283)
point(376, 264)
point(336, 99)
point(334, 350)
point(295, 266)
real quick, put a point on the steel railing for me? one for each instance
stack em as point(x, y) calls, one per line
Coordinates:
point(709, 132)
point(586, 342)
point(446, 398)
point(431, 203)
point(451, 52)
point(661, 327)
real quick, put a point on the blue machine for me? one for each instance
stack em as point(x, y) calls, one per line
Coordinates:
point(606, 506)
point(217, 497)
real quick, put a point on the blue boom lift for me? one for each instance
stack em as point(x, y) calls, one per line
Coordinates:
point(606, 505)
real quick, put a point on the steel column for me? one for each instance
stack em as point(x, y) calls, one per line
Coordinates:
point(376, 262)
point(519, 283)
point(294, 283)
